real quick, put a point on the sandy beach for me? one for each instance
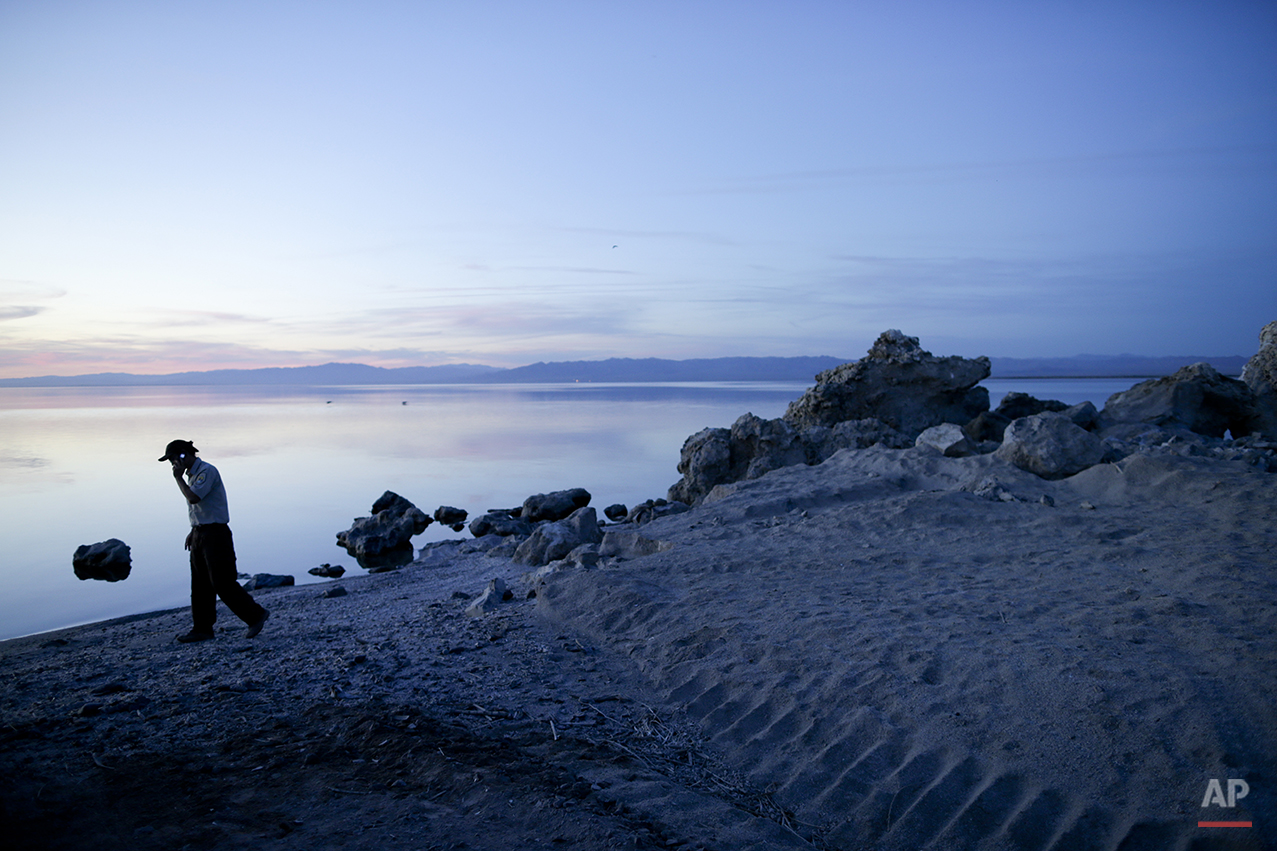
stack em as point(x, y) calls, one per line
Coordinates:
point(866, 653)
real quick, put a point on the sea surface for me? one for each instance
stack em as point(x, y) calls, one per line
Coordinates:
point(78, 465)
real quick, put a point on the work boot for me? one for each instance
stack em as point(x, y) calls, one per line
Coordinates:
point(256, 626)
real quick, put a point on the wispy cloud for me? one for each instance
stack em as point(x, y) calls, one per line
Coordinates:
point(19, 311)
point(201, 318)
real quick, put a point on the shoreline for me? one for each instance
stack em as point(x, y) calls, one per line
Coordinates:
point(862, 653)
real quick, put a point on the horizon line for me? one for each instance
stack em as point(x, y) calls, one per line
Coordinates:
point(1187, 359)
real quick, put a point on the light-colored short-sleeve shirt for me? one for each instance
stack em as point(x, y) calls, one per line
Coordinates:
point(206, 483)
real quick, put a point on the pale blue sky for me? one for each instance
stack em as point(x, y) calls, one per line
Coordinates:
point(200, 185)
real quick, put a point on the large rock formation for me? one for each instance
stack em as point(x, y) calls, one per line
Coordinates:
point(1196, 398)
point(889, 397)
point(384, 539)
point(1260, 375)
point(899, 383)
point(108, 560)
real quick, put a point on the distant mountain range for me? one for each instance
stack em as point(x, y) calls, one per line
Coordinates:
point(616, 370)
point(1108, 366)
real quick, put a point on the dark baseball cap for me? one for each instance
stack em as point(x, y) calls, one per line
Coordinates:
point(177, 447)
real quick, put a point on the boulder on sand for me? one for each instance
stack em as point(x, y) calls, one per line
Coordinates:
point(553, 541)
point(108, 560)
point(1196, 398)
point(258, 581)
point(1050, 445)
point(949, 439)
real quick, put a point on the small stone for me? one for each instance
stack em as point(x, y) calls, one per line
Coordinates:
point(267, 580)
point(1086, 506)
point(335, 591)
point(489, 600)
point(330, 571)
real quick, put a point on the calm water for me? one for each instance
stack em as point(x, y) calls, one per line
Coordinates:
point(77, 465)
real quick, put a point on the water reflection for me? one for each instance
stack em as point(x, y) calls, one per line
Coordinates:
point(301, 463)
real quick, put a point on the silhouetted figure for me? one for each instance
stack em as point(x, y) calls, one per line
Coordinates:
point(213, 571)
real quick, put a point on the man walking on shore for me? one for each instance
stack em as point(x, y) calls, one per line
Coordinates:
point(213, 571)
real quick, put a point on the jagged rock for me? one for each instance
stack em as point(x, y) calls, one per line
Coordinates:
point(1083, 415)
point(760, 445)
point(396, 505)
point(109, 561)
point(553, 506)
point(585, 556)
point(1050, 445)
point(267, 580)
point(500, 522)
point(489, 600)
point(552, 541)
point(949, 439)
point(754, 446)
point(616, 512)
point(899, 383)
point(449, 516)
point(888, 397)
point(384, 539)
point(988, 425)
point(1015, 405)
point(852, 434)
point(705, 461)
point(650, 509)
point(1260, 375)
point(329, 571)
point(1196, 397)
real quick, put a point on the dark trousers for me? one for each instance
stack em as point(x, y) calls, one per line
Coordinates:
point(213, 575)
